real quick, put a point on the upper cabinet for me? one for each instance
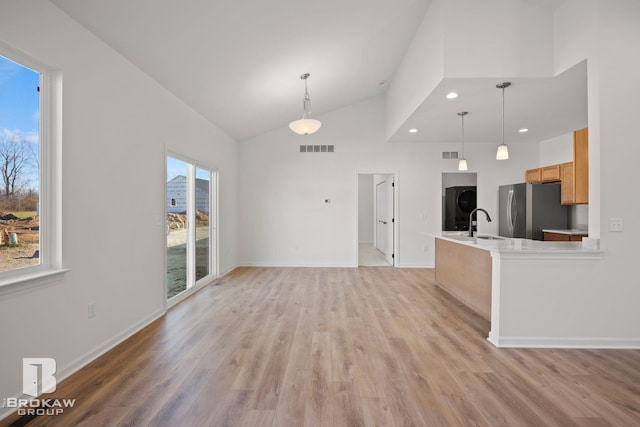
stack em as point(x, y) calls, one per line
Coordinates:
point(574, 176)
point(568, 188)
point(533, 175)
point(581, 165)
point(550, 173)
point(544, 174)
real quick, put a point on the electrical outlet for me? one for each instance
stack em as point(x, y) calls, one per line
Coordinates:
point(91, 310)
point(615, 224)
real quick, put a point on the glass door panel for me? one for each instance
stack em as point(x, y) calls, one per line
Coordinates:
point(177, 226)
point(202, 221)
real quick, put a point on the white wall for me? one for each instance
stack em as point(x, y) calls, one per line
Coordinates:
point(497, 38)
point(421, 70)
point(468, 38)
point(116, 124)
point(619, 68)
point(284, 221)
point(556, 150)
point(365, 208)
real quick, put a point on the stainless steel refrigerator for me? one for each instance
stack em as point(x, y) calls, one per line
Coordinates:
point(525, 209)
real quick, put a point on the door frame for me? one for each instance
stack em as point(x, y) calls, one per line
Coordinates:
point(396, 213)
point(214, 206)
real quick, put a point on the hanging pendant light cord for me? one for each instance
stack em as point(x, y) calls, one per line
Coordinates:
point(503, 114)
point(462, 136)
point(306, 101)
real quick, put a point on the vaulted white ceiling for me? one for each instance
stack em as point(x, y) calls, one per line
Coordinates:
point(238, 63)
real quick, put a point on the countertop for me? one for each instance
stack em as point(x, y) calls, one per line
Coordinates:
point(573, 232)
point(505, 245)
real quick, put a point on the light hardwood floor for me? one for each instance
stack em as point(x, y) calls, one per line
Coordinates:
point(373, 346)
point(369, 256)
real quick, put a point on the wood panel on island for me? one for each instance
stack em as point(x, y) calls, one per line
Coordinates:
point(563, 237)
point(573, 176)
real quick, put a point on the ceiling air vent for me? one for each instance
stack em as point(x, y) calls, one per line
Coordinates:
point(450, 155)
point(317, 149)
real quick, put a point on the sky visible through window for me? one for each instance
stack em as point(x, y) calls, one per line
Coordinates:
point(19, 108)
point(177, 167)
point(19, 166)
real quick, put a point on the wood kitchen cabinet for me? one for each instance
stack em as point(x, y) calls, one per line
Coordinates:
point(568, 188)
point(550, 173)
point(544, 174)
point(575, 175)
point(533, 175)
point(581, 165)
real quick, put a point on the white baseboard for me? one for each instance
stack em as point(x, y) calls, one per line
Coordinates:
point(73, 367)
point(565, 342)
point(415, 266)
point(92, 355)
point(228, 270)
point(264, 264)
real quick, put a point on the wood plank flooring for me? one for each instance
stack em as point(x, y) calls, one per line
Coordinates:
point(373, 346)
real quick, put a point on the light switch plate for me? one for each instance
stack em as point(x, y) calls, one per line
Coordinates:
point(615, 224)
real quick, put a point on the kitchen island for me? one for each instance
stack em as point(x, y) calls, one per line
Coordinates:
point(525, 288)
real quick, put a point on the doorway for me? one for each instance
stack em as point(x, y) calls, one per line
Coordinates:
point(376, 219)
point(191, 226)
point(459, 194)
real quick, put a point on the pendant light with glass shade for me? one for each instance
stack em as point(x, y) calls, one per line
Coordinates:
point(503, 150)
point(305, 126)
point(462, 163)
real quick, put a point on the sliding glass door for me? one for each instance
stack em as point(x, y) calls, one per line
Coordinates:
point(191, 218)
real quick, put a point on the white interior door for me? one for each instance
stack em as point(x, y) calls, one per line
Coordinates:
point(381, 218)
point(389, 228)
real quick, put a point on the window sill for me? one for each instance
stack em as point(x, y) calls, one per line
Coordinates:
point(31, 280)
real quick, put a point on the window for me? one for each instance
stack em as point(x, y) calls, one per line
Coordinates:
point(29, 166)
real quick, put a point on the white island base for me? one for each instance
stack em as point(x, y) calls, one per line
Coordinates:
point(536, 292)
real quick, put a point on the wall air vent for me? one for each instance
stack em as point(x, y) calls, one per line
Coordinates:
point(317, 149)
point(450, 155)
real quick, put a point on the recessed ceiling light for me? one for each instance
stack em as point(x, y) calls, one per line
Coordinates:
point(523, 130)
point(414, 130)
point(452, 95)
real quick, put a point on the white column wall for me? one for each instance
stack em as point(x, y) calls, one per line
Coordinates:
point(591, 302)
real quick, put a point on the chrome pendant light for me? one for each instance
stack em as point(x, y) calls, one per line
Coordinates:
point(305, 126)
point(462, 163)
point(503, 150)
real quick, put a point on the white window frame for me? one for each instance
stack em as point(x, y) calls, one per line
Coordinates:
point(50, 191)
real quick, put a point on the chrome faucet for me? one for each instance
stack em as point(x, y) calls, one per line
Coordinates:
point(471, 219)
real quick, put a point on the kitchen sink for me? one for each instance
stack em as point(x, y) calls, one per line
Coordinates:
point(490, 237)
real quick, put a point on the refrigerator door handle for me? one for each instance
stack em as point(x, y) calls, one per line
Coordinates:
point(514, 212)
point(509, 212)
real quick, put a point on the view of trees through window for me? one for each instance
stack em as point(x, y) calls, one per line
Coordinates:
point(19, 166)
